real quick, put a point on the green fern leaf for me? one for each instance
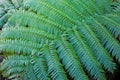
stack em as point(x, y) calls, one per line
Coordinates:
point(59, 40)
point(55, 68)
point(86, 56)
point(70, 60)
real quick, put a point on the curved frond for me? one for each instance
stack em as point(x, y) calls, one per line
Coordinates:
point(23, 18)
point(27, 34)
point(59, 39)
point(86, 56)
point(13, 66)
point(7, 7)
point(30, 75)
point(37, 68)
point(19, 46)
point(110, 43)
point(116, 6)
point(70, 60)
point(99, 51)
point(55, 68)
point(3, 20)
point(50, 11)
point(110, 23)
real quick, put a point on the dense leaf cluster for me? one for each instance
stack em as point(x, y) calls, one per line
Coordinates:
point(59, 39)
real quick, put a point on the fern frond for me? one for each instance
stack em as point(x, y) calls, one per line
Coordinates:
point(7, 8)
point(83, 8)
point(55, 68)
point(3, 20)
point(11, 4)
point(70, 60)
point(59, 39)
point(27, 34)
point(99, 51)
point(23, 18)
point(13, 64)
point(34, 67)
point(19, 46)
point(17, 3)
point(86, 56)
point(14, 72)
point(6, 4)
point(114, 17)
point(108, 40)
point(91, 5)
point(14, 60)
point(112, 25)
point(105, 5)
point(37, 69)
point(116, 6)
point(50, 11)
point(78, 5)
point(69, 8)
point(30, 73)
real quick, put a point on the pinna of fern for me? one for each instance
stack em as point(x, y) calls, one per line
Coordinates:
point(59, 40)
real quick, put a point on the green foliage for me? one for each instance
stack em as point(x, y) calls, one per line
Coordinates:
point(59, 39)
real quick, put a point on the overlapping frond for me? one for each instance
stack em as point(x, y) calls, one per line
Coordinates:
point(19, 46)
point(55, 68)
point(23, 18)
point(7, 7)
point(3, 20)
point(50, 11)
point(27, 34)
point(59, 40)
point(86, 55)
point(105, 5)
point(116, 6)
point(13, 66)
point(25, 67)
point(70, 59)
point(114, 23)
point(99, 51)
point(107, 39)
point(38, 68)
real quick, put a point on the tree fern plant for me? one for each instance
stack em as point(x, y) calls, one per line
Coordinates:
point(59, 39)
